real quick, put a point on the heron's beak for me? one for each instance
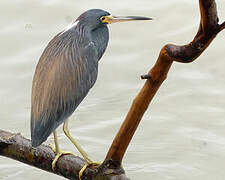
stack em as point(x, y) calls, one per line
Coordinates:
point(113, 19)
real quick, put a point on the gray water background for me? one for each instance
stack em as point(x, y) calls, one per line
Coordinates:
point(182, 134)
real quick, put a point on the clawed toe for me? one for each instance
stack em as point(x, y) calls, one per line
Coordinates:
point(58, 155)
point(86, 165)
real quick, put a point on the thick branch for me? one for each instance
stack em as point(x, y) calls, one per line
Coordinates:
point(139, 106)
point(208, 29)
point(18, 148)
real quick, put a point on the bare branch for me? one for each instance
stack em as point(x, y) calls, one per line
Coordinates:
point(19, 148)
point(208, 29)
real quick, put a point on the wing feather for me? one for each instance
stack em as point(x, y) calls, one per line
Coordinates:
point(66, 71)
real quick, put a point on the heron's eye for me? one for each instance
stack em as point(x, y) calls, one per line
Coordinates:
point(105, 19)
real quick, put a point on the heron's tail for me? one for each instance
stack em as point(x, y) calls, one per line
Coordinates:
point(40, 131)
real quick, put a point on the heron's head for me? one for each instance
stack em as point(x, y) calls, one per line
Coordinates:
point(95, 18)
point(92, 18)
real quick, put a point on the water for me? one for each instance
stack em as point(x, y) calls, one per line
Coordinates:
point(181, 135)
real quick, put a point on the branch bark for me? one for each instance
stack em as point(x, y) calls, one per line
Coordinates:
point(16, 147)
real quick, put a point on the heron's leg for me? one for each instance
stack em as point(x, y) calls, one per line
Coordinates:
point(79, 148)
point(57, 150)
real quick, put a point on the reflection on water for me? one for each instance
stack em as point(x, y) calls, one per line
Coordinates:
point(182, 134)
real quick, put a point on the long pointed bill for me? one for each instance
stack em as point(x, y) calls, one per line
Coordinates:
point(113, 19)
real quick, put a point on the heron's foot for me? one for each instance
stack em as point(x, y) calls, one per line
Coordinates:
point(58, 155)
point(92, 163)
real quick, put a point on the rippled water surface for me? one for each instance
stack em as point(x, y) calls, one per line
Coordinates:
point(182, 135)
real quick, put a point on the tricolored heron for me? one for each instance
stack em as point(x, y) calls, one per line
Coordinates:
point(65, 73)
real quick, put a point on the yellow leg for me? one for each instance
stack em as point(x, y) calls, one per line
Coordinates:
point(57, 151)
point(79, 148)
point(56, 142)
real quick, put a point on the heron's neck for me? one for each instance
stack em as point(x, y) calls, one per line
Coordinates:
point(100, 37)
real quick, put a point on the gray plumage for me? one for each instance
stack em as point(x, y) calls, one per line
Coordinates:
point(66, 71)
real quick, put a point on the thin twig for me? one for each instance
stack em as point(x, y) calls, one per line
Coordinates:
point(145, 76)
point(222, 26)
